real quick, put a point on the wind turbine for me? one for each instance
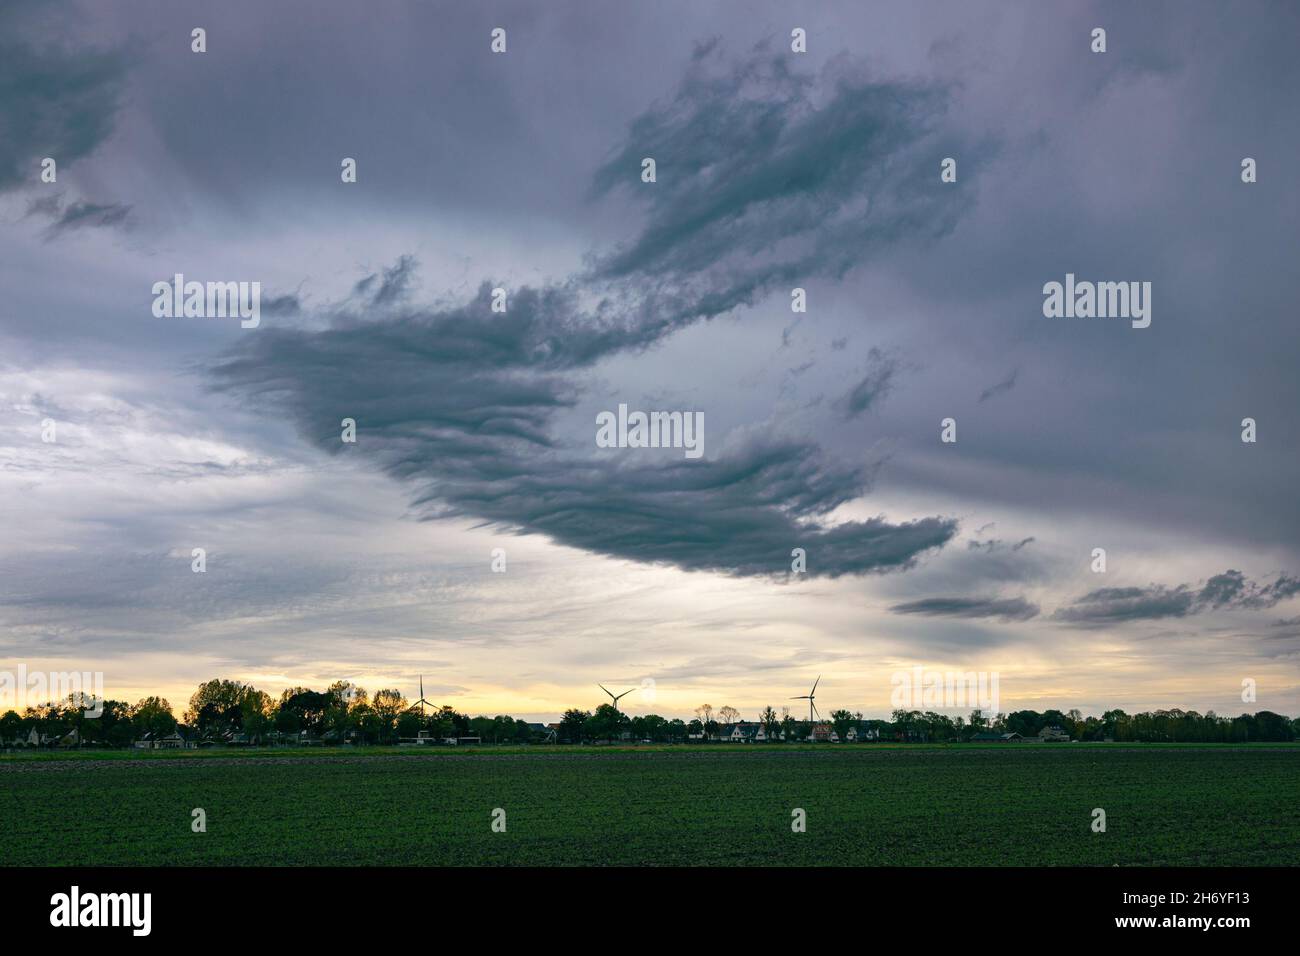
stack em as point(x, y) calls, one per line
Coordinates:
point(421, 701)
point(615, 698)
point(812, 708)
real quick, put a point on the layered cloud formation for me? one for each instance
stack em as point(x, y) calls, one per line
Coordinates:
point(774, 170)
point(1229, 590)
point(757, 191)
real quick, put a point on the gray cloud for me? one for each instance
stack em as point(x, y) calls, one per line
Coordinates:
point(1006, 385)
point(388, 287)
point(873, 386)
point(1230, 590)
point(767, 178)
point(79, 214)
point(1116, 605)
point(1006, 609)
point(54, 101)
point(282, 305)
point(1128, 437)
point(460, 401)
point(483, 447)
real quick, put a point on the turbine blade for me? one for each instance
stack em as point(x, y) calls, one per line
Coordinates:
point(815, 683)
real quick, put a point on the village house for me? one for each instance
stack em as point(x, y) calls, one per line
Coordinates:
point(178, 739)
point(861, 731)
point(742, 732)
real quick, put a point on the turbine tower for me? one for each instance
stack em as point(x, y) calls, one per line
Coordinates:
point(617, 697)
point(421, 701)
point(812, 708)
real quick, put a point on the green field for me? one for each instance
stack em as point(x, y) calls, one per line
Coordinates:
point(866, 805)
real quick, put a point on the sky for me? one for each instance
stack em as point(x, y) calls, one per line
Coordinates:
point(521, 170)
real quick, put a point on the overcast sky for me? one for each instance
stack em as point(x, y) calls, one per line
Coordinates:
point(476, 429)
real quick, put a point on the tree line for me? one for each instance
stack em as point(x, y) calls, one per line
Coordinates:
point(1160, 726)
point(226, 711)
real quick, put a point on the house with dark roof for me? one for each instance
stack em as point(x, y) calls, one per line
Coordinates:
point(742, 732)
point(544, 733)
point(861, 730)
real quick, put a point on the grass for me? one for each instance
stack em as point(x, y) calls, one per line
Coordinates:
point(715, 805)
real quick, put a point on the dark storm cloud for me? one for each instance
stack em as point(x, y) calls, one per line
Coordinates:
point(1229, 590)
point(54, 101)
point(1006, 609)
point(740, 514)
point(460, 401)
point(767, 178)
